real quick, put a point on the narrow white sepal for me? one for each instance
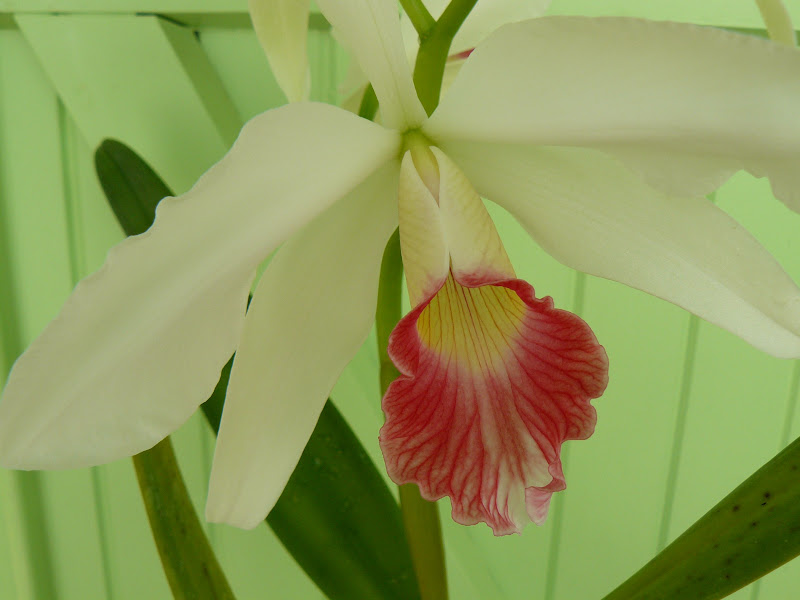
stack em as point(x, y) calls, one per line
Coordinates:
point(282, 29)
point(312, 310)
point(370, 29)
point(778, 22)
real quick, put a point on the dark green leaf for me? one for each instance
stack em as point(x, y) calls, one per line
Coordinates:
point(754, 530)
point(354, 521)
point(132, 188)
point(336, 515)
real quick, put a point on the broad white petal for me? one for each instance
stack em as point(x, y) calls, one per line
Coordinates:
point(282, 29)
point(592, 214)
point(140, 344)
point(312, 310)
point(370, 29)
point(683, 105)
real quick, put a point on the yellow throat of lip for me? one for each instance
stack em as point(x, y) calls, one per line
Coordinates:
point(475, 326)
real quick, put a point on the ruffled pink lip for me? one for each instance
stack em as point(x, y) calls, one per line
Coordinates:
point(493, 381)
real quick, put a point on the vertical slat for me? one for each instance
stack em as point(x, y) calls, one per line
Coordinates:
point(16, 578)
point(27, 525)
point(615, 479)
point(33, 214)
point(9, 555)
point(35, 239)
point(673, 468)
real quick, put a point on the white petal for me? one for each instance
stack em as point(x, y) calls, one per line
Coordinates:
point(282, 29)
point(312, 310)
point(592, 214)
point(660, 95)
point(371, 31)
point(140, 344)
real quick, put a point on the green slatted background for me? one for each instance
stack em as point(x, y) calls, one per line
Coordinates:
point(690, 410)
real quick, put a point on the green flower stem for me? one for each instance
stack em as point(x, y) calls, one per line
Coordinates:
point(389, 308)
point(420, 517)
point(433, 50)
point(189, 562)
point(419, 16)
point(424, 535)
point(752, 531)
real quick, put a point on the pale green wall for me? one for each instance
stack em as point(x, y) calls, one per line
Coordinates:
point(690, 411)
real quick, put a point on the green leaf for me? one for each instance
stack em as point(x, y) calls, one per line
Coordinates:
point(336, 515)
point(189, 563)
point(338, 519)
point(754, 530)
point(132, 188)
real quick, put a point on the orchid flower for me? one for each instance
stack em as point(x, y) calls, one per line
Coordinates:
point(600, 136)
